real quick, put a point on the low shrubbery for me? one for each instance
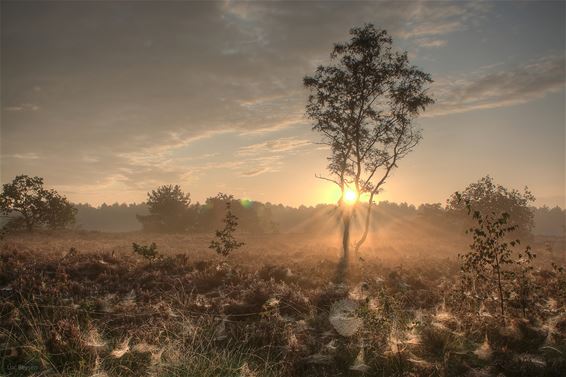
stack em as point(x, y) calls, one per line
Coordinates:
point(89, 313)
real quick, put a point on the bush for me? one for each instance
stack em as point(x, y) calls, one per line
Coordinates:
point(148, 252)
point(225, 242)
point(491, 263)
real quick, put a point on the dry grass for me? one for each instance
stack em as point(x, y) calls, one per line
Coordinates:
point(270, 310)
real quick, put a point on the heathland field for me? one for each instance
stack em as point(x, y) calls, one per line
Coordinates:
point(84, 304)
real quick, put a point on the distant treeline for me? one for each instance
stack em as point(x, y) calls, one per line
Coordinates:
point(256, 217)
point(110, 217)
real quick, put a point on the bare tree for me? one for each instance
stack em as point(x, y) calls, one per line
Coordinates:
point(364, 103)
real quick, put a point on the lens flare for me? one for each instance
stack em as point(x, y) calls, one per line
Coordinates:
point(246, 203)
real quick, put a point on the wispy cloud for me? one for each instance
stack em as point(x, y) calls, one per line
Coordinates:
point(23, 156)
point(428, 20)
point(433, 29)
point(254, 172)
point(499, 86)
point(22, 107)
point(431, 43)
point(260, 165)
point(274, 146)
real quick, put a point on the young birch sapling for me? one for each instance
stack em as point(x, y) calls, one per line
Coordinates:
point(225, 242)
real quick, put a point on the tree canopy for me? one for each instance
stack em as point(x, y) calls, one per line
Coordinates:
point(169, 207)
point(490, 198)
point(31, 205)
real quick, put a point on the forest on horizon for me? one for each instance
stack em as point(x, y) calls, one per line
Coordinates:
point(267, 217)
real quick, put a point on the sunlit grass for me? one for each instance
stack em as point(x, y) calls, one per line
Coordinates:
point(270, 311)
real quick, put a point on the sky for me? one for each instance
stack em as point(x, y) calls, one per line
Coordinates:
point(108, 100)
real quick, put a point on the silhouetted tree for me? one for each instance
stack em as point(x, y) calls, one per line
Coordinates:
point(211, 213)
point(169, 207)
point(34, 205)
point(490, 198)
point(252, 215)
point(59, 212)
point(364, 104)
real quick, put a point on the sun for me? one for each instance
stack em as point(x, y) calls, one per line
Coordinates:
point(350, 196)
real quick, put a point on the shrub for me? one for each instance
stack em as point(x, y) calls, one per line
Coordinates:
point(225, 242)
point(492, 263)
point(148, 252)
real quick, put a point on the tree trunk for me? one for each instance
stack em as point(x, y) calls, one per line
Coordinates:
point(346, 238)
point(366, 225)
point(500, 288)
point(342, 269)
point(29, 223)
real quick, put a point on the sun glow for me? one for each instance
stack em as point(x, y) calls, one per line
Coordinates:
point(350, 196)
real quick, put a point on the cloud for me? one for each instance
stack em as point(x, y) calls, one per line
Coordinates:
point(23, 156)
point(274, 146)
point(433, 29)
point(252, 167)
point(22, 107)
point(136, 82)
point(499, 86)
point(442, 18)
point(425, 42)
point(105, 84)
point(255, 172)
